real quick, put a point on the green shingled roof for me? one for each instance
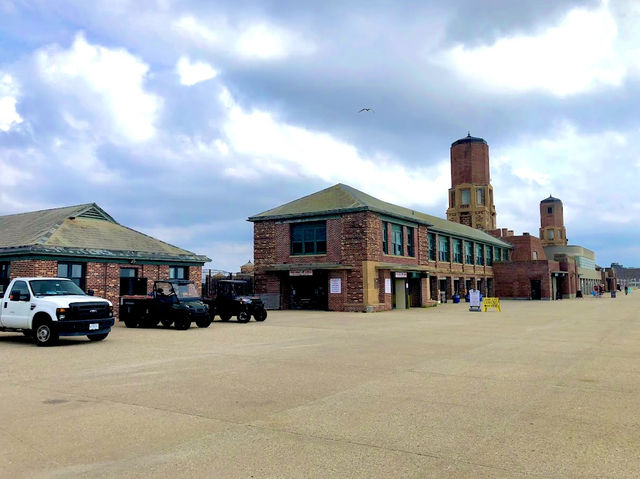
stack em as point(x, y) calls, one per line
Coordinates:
point(83, 230)
point(342, 198)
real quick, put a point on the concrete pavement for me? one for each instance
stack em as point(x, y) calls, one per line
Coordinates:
point(542, 389)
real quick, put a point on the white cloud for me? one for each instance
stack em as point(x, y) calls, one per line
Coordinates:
point(254, 41)
point(583, 52)
point(103, 79)
point(193, 73)
point(275, 148)
point(590, 172)
point(9, 117)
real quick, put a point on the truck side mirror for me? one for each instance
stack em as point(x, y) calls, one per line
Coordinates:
point(24, 297)
point(90, 292)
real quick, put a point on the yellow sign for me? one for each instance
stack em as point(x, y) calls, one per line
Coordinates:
point(491, 303)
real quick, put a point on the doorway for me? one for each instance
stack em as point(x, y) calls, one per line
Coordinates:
point(536, 289)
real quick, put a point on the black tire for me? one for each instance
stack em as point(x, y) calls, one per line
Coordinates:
point(131, 323)
point(166, 322)
point(44, 334)
point(261, 315)
point(225, 317)
point(182, 324)
point(243, 317)
point(97, 337)
point(203, 323)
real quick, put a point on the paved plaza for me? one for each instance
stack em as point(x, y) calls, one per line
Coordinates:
point(541, 389)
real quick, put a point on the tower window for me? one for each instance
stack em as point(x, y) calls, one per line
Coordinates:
point(550, 209)
point(480, 196)
point(464, 197)
point(453, 199)
point(550, 234)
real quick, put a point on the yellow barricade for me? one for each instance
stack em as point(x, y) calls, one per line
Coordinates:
point(491, 303)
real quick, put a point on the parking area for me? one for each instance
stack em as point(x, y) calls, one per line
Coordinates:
point(541, 389)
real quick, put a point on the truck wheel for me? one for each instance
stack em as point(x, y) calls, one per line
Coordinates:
point(203, 323)
point(225, 316)
point(261, 315)
point(166, 323)
point(131, 323)
point(44, 335)
point(183, 324)
point(243, 317)
point(97, 337)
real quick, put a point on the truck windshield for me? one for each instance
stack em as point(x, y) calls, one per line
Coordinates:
point(186, 290)
point(54, 287)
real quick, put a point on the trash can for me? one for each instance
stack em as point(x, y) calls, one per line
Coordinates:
point(613, 293)
point(443, 296)
point(456, 298)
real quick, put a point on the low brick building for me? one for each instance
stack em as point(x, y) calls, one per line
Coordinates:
point(88, 246)
point(343, 250)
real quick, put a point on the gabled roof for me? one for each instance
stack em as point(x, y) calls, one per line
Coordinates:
point(341, 198)
point(83, 230)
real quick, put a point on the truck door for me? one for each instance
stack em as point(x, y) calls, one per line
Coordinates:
point(16, 306)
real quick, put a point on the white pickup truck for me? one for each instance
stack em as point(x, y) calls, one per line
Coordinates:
point(47, 308)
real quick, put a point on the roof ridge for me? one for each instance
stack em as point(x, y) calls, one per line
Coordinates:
point(52, 209)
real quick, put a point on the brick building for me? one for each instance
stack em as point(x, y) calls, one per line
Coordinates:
point(88, 246)
point(343, 250)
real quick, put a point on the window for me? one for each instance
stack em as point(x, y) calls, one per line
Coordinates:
point(452, 200)
point(468, 252)
point(489, 255)
point(396, 239)
point(457, 250)
point(19, 290)
point(309, 238)
point(479, 254)
point(505, 255)
point(498, 254)
point(178, 272)
point(385, 237)
point(443, 248)
point(128, 272)
point(480, 196)
point(550, 209)
point(465, 197)
point(534, 254)
point(410, 242)
point(131, 284)
point(4, 277)
point(550, 234)
point(75, 272)
point(432, 246)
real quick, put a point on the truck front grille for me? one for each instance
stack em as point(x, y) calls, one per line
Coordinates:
point(93, 310)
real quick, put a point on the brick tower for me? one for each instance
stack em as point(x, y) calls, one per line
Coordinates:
point(552, 230)
point(471, 194)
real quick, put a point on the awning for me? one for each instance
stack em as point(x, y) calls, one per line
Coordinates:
point(402, 267)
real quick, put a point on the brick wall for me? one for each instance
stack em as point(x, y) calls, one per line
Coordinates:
point(33, 268)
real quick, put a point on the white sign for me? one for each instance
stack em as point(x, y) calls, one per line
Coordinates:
point(474, 298)
point(401, 274)
point(335, 285)
point(387, 285)
point(302, 272)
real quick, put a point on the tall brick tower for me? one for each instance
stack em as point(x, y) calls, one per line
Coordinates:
point(471, 194)
point(552, 230)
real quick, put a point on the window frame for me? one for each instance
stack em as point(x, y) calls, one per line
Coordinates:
point(411, 249)
point(468, 252)
point(318, 230)
point(432, 240)
point(397, 233)
point(174, 268)
point(80, 281)
point(444, 248)
point(385, 237)
point(479, 254)
point(457, 250)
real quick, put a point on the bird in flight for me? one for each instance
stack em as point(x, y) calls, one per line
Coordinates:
point(366, 109)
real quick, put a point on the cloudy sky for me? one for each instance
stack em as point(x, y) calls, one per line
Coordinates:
point(183, 118)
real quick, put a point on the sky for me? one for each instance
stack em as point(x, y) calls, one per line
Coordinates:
point(183, 118)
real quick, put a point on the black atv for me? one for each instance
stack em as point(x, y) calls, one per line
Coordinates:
point(231, 298)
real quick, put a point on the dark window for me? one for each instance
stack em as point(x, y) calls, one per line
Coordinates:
point(178, 272)
point(468, 252)
point(410, 242)
point(4, 277)
point(505, 255)
point(489, 255)
point(453, 199)
point(432, 246)
point(385, 237)
point(443, 248)
point(19, 290)
point(479, 254)
point(465, 197)
point(498, 254)
point(396, 239)
point(309, 238)
point(550, 209)
point(75, 272)
point(130, 283)
point(457, 250)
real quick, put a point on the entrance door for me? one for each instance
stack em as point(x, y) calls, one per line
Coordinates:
point(415, 293)
point(309, 292)
point(536, 289)
point(401, 293)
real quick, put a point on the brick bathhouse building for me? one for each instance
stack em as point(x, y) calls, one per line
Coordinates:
point(342, 250)
point(88, 246)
